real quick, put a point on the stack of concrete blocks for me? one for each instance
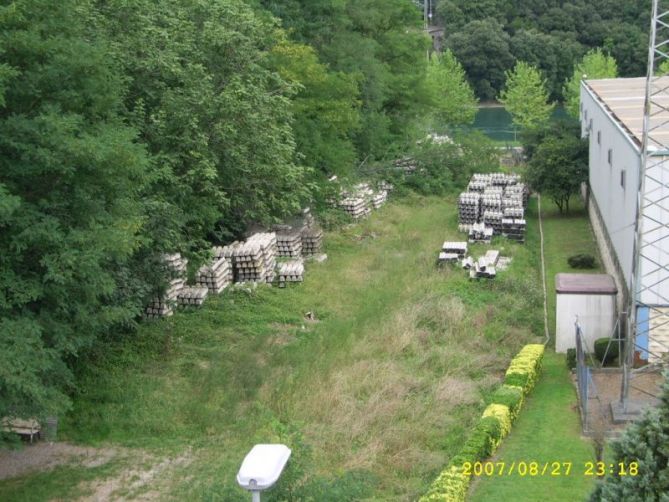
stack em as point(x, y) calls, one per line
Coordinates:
point(288, 241)
point(355, 205)
point(311, 235)
point(312, 241)
point(163, 306)
point(502, 200)
point(379, 199)
point(493, 219)
point(254, 260)
point(518, 190)
point(479, 232)
point(406, 164)
point(386, 186)
point(452, 252)
point(469, 207)
point(192, 296)
point(217, 275)
point(514, 229)
point(491, 201)
point(290, 271)
point(477, 185)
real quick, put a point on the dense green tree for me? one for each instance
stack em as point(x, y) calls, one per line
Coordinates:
point(452, 96)
point(574, 27)
point(595, 64)
point(559, 164)
point(525, 96)
point(381, 44)
point(483, 48)
point(214, 116)
point(551, 54)
point(641, 459)
point(326, 108)
point(71, 214)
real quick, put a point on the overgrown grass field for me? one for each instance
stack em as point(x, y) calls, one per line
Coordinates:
point(373, 395)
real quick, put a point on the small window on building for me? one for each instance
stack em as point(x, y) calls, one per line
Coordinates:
point(590, 125)
point(622, 179)
point(610, 156)
point(599, 137)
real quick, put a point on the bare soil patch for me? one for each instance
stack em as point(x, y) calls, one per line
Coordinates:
point(43, 456)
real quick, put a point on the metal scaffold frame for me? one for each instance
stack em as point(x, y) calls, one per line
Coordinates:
point(650, 269)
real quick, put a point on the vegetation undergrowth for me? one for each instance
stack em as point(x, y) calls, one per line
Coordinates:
point(373, 395)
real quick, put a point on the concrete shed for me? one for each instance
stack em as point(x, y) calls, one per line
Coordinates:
point(591, 298)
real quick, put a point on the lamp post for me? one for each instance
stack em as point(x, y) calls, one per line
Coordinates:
point(262, 467)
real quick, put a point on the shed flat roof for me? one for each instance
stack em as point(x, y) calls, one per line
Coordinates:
point(585, 284)
point(624, 98)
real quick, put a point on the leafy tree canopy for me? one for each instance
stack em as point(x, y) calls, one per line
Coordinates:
point(525, 96)
point(559, 163)
point(453, 98)
point(595, 64)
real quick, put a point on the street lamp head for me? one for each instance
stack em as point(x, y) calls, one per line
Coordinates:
point(262, 467)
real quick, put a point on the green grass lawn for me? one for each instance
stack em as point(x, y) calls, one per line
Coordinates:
point(548, 428)
point(373, 397)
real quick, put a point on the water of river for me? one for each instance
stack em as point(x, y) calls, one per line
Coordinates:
point(496, 123)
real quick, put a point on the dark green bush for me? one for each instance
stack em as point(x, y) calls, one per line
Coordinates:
point(481, 443)
point(583, 261)
point(571, 358)
point(601, 345)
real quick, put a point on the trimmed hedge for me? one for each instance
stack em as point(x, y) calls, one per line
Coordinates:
point(525, 367)
point(495, 423)
point(510, 396)
point(451, 485)
point(502, 414)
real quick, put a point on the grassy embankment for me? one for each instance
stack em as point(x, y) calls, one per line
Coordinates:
point(548, 429)
point(382, 388)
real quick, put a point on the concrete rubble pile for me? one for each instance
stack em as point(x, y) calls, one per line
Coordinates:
point(163, 306)
point(290, 271)
point(497, 201)
point(216, 276)
point(484, 267)
point(192, 295)
point(452, 251)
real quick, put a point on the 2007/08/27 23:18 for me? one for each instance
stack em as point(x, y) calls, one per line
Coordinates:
point(547, 468)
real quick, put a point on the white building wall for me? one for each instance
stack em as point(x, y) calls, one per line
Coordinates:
point(596, 314)
point(616, 198)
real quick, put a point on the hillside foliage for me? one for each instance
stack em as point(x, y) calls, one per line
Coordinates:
point(134, 129)
point(489, 36)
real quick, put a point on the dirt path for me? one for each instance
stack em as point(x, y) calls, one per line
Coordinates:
point(44, 456)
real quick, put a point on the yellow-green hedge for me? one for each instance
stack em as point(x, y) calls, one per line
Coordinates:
point(525, 367)
point(495, 423)
point(450, 486)
point(502, 414)
point(511, 396)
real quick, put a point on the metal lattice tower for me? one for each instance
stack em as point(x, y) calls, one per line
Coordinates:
point(650, 272)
